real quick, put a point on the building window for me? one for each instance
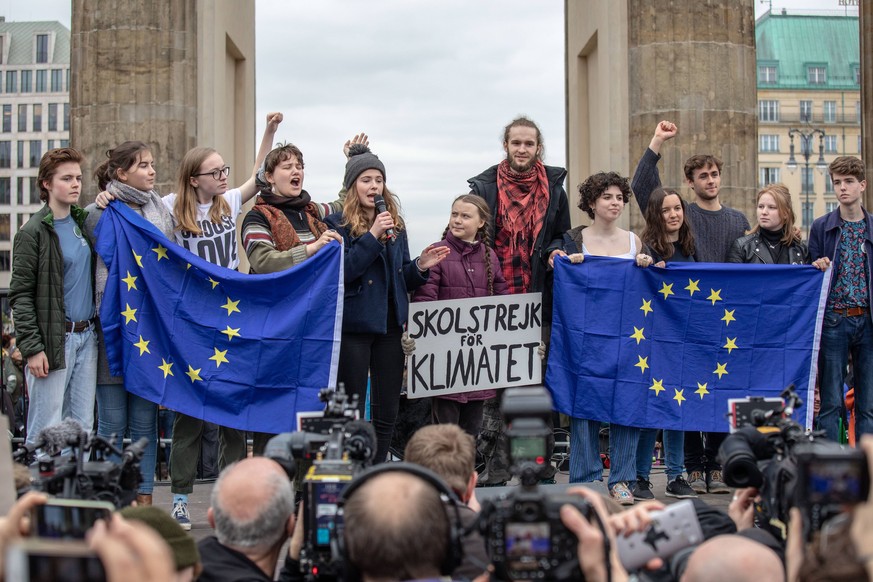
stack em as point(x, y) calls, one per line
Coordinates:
point(829, 183)
point(858, 111)
point(35, 152)
point(856, 71)
point(22, 220)
point(4, 228)
point(5, 261)
point(7, 118)
point(42, 48)
point(34, 191)
point(37, 117)
point(830, 144)
point(806, 110)
point(51, 145)
point(19, 160)
point(768, 110)
point(19, 184)
point(41, 81)
point(830, 111)
point(26, 81)
point(859, 145)
point(831, 206)
point(5, 154)
point(807, 213)
point(816, 75)
point(769, 176)
point(2, 42)
point(767, 74)
point(5, 187)
point(807, 183)
point(57, 80)
point(769, 143)
point(11, 81)
point(22, 117)
point(66, 118)
point(53, 117)
point(65, 143)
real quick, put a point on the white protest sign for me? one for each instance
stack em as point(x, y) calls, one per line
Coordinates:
point(463, 345)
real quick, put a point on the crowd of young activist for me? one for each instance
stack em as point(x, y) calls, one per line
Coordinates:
point(501, 238)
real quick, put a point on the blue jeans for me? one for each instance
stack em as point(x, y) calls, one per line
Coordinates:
point(841, 337)
point(674, 452)
point(66, 393)
point(118, 412)
point(585, 463)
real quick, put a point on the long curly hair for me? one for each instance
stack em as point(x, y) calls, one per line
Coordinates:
point(484, 232)
point(358, 221)
point(655, 232)
point(596, 184)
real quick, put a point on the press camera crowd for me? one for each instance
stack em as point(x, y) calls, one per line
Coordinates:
point(502, 238)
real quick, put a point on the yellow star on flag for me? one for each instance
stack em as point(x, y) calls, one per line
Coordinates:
point(231, 333)
point(666, 290)
point(647, 307)
point(231, 306)
point(715, 296)
point(167, 367)
point(187, 266)
point(129, 314)
point(720, 370)
point(642, 364)
point(193, 374)
point(137, 258)
point(728, 316)
point(161, 250)
point(219, 357)
point(657, 386)
point(731, 344)
point(143, 346)
point(131, 281)
point(679, 397)
point(214, 282)
point(701, 390)
point(638, 334)
point(692, 287)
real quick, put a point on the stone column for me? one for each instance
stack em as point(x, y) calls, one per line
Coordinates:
point(694, 64)
point(865, 10)
point(134, 77)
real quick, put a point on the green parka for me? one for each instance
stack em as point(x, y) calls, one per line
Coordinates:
point(36, 291)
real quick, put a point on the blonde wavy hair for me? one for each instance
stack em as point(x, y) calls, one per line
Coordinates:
point(355, 218)
point(782, 196)
point(185, 207)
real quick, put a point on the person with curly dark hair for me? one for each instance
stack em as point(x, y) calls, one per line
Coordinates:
point(603, 197)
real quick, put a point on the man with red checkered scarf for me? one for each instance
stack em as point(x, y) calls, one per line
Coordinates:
point(531, 213)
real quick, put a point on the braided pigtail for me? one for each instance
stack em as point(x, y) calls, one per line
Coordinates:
point(485, 234)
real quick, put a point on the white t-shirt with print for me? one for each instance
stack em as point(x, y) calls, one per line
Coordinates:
point(218, 242)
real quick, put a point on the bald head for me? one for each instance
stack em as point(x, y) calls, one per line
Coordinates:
point(396, 528)
point(731, 558)
point(252, 502)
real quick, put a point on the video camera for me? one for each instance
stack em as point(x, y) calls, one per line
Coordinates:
point(64, 472)
point(524, 534)
point(791, 468)
point(338, 446)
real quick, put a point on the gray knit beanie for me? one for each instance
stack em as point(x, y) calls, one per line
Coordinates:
point(361, 159)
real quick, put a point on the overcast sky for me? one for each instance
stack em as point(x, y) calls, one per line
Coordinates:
point(432, 82)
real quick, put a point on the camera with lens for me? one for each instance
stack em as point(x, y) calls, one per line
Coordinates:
point(524, 534)
point(336, 447)
point(76, 465)
point(792, 468)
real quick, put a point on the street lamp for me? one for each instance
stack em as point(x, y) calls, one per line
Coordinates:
point(821, 165)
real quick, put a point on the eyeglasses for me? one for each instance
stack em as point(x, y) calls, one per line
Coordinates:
point(217, 174)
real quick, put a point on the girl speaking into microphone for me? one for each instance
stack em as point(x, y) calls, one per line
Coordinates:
point(378, 277)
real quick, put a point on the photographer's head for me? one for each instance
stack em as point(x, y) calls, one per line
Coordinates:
point(252, 506)
point(448, 451)
point(731, 557)
point(397, 528)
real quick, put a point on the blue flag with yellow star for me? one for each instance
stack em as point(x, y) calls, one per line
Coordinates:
point(667, 348)
point(242, 351)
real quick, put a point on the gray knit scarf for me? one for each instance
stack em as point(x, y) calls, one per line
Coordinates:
point(148, 204)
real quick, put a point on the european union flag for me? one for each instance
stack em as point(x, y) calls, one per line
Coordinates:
point(667, 348)
point(243, 351)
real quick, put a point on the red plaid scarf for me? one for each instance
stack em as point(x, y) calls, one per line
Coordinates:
point(522, 202)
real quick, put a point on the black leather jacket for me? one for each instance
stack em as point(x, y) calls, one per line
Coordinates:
point(751, 248)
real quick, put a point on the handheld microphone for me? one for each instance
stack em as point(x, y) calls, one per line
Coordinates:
point(380, 208)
